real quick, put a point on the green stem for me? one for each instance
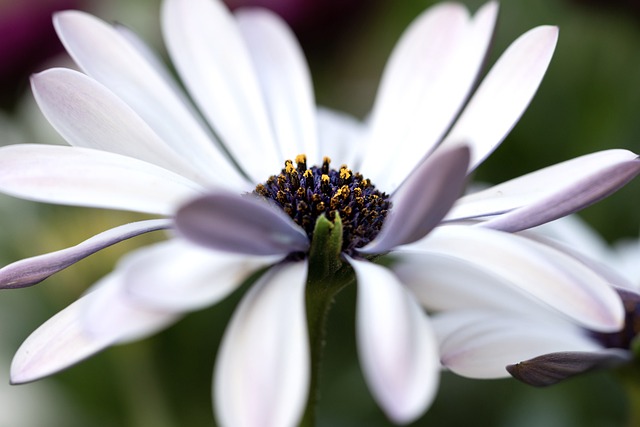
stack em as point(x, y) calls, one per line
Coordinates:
point(320, 297)
point(629, 377)
point(327, 276)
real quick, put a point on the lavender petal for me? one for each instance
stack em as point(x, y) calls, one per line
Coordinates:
point(582, 193)
point(31, 271)
point(240, 224)
point(423, 199)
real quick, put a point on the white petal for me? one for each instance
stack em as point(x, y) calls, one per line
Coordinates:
point(210, 55)
point(546, 274)
point(441, 282)
point(396, 345)
point(63, 340)
point(114, 316)
point(428, 77)
point(285, 82)
point(86, 177)
point(88, 115)
point(59, 343)
point(341, 137)
point(504, 94)
point(262, 372)
point(179, 276)
point(119, 65)
point(542, 185)
point(482, 344)
point(31, 271)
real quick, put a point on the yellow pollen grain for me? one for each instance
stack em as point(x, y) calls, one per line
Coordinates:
point(288, 167)
point(325, 178)
point(301, 158)
point(345, 173)
point(308, 173)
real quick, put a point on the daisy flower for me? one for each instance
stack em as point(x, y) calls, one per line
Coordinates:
point(248, 189)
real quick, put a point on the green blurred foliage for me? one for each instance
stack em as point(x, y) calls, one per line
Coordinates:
point(588, 101)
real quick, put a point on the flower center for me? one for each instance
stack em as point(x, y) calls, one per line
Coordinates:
point(308, 193)
point(624, 337)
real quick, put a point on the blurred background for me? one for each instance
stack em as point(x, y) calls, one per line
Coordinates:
point(588, 101)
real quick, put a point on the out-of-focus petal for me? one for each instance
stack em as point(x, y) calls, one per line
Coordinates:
point(480, 344)
point(88, 115)
point(31, 271)
point(180, 276)
point(341, 137)
point(262, 372)
point(208, 50)
point(504, 94)
point(119, 65)
point(423, 200)
point(546, 274)
point(63, 339)
point(550, 193)
point(246, 225)
point(285, 82)
point(554, 367)
point(114, 316)
point(396, 345)
point(86, 177)
point(428, 77)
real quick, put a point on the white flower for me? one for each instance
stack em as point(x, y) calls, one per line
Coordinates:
point(138, 145)
point(535, 345)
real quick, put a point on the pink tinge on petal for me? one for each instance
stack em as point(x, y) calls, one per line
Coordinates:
point(504, 94)
point(263, 369)
point(429, 75)
point(396, 345)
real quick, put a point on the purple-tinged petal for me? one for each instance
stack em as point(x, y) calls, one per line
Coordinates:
point(246, 225)
point(88, 115)
point(30, 271)
point(177, 275)
point(429, 75)
point(552, 368)
point(63, 340)
point(119, 65)
point(480, 344)
point(285, 82)
point(206, 46)
point(504, 94)
point(539, 271)
point(263, 368)
point(396, 345)
point(93, 178)
point(423, 200)
point(568, 199)
point(537, 188)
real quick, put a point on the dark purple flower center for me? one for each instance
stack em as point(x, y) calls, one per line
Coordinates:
point(308, 193)
point(624, 337)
